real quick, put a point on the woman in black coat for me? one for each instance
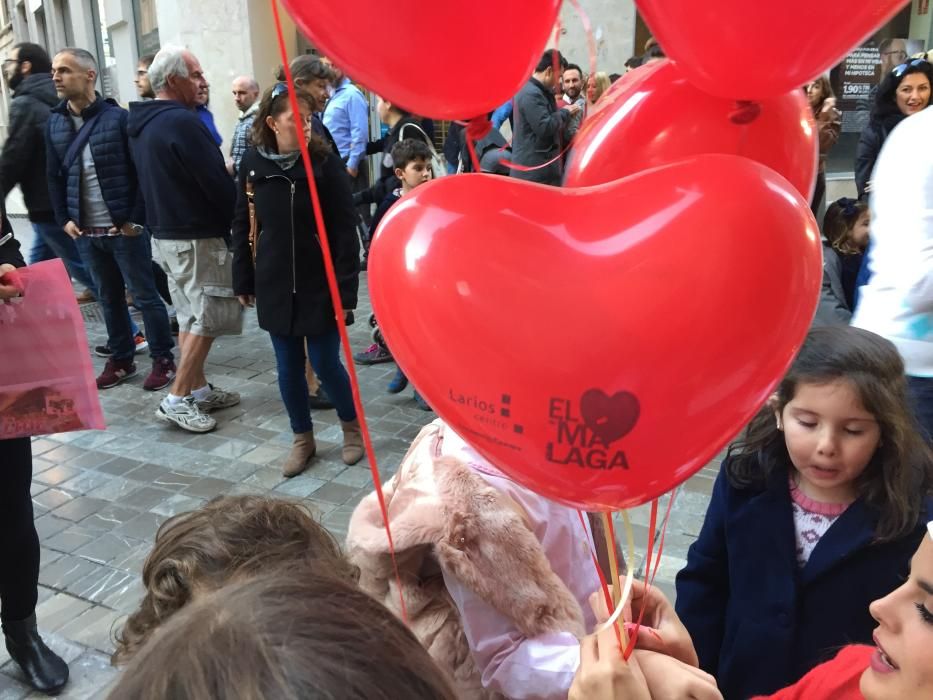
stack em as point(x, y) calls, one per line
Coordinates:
point(904, 91)
point(287, 281)
point(19, 541)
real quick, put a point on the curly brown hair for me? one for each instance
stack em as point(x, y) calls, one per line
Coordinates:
point(298, 635)
point(228, 539)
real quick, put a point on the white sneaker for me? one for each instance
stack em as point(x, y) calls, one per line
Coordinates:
point(186, 415)
point(217, 399)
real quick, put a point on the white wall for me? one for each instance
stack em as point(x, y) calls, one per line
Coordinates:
point(613, 25)
point(230, 38)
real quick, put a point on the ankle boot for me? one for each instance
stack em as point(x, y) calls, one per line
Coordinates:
point(303, 449)
point(44, 669)
point(352, 441)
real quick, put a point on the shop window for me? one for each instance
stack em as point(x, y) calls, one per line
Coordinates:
point(855, 82)
point(147, 26)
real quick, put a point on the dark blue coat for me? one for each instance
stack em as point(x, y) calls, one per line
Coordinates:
point(109, 148)
point(758, 621)
point(182, 175)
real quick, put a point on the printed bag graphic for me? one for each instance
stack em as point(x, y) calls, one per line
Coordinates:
point(46, 377)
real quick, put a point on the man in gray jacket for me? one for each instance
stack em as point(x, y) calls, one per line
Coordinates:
point(540, 127)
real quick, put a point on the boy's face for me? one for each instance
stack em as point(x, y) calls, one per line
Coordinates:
point(417, 172)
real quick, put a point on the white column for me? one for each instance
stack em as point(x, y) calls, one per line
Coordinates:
point(118, 16)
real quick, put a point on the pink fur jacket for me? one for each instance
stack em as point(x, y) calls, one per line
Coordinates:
point(446, 519)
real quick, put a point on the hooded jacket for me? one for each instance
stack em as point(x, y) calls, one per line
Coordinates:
point(23, 159)
point(187, 191)
point(494, 577)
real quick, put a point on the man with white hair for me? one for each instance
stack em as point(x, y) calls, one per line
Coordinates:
point(246, 97)
point(189, 199)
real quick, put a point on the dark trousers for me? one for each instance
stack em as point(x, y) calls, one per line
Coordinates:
point(324, 354)
point(50, 242)
point(118, 262)
point(364, 211)
point(819, 191)
point(161, 282)
point(921, 396)
point(19, 541)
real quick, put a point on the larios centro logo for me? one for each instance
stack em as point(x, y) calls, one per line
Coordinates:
point(585, 439)
point(496, 414)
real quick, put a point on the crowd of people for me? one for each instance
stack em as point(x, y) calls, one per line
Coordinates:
point(491, 590)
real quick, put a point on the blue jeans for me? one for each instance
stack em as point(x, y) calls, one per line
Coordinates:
point(111, 260)
point(51, 238)
point(921, 396)
point(324, 353)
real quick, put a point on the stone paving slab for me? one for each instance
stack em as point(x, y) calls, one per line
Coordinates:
point(99, 496)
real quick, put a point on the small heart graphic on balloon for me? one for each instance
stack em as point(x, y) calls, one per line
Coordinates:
point(506, 301)
point(655, 116)
point(764, 49)
point(610, 418)
point(395, 49)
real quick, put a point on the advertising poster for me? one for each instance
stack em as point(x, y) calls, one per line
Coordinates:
point(856, 80)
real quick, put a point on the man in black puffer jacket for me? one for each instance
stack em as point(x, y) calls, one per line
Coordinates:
point(22, 162)
point(95, 195)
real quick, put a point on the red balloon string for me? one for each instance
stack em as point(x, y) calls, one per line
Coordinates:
point(476, 129)
point(588, 30)
point(335, 298)
point(591, 48)
point(649, 573)
point(599, 570)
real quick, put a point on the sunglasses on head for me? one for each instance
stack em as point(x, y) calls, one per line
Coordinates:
point(901, 69)
point(279, 89)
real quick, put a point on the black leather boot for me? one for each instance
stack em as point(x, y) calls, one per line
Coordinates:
point(44, 669)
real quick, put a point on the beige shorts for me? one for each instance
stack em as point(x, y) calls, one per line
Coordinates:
point(200, 277)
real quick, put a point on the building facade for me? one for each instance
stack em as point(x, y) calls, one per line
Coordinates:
point(234, 37)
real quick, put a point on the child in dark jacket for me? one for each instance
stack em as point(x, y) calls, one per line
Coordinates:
point(412, 161)
point(845, 238)
point(815, 513)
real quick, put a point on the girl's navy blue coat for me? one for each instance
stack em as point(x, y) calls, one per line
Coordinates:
point(758, 621)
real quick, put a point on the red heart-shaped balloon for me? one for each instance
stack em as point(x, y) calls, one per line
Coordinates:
point(688, 287)
point(753, 50)
point(657, 116)
point(403, 51)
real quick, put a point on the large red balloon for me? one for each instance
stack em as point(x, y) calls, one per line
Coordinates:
point(657, 117)
point(759, 48)
point(448, 60)
point(602, 344)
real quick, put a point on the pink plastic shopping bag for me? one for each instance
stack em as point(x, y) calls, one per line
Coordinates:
point(46, 377)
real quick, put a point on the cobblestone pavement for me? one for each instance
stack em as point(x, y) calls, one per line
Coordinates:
point(100, 496)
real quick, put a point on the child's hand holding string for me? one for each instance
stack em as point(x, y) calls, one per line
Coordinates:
point(661, 629)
